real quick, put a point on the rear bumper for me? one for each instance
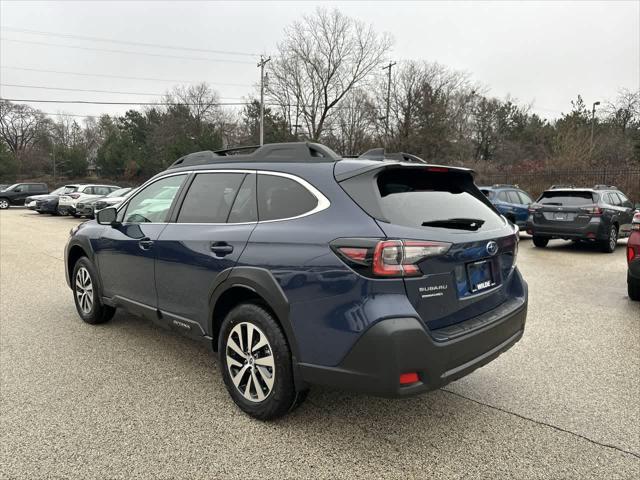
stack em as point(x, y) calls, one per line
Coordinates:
point(46, 207)
point(590, 231)
point(403, 345)
point(634, 269)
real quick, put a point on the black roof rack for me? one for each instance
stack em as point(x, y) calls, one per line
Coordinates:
point(605, 187)
point(561, 185)
point(293, 152)
point(379, 154)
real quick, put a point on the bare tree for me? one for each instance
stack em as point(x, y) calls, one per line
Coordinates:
point(201, 100)
point(19, 126)
point(321, 59)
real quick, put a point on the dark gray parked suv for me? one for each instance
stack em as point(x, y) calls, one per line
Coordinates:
point(601, 214)
point(18, 192)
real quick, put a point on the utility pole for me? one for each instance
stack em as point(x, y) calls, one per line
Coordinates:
point(386, 125)
point(263, 61)
point(593, 121)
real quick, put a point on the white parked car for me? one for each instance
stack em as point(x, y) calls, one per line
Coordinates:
point(67, 203)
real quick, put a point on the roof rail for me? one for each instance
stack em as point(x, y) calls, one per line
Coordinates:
point(273, 152)
point(561, 185)
point(504, 185)
point(379, 154)
point(605, 187)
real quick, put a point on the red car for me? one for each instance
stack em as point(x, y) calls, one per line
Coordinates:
point(633, 259)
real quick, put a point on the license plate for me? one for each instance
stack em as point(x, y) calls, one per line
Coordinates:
point(560, 216)
point(480, 275)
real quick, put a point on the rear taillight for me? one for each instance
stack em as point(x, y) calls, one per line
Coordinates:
point(387, 258)
point(635, 225)
point(596, 211)
point(534, 208)
point(74, 195)
point(631, 253)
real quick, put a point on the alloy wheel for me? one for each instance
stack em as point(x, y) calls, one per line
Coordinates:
point(84, 290)
point(250, 361)
point(613, 238)
point(4, 204)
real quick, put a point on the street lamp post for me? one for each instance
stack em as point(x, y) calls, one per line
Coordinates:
point(593, 120)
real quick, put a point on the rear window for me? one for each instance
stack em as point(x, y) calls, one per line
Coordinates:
point(70, 189)
point(418, 198)
point(567, 199)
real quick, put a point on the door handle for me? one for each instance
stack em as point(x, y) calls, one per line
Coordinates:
point(145, 243)
point(221, 249)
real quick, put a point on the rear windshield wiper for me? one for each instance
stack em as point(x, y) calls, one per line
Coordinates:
point(456, 223)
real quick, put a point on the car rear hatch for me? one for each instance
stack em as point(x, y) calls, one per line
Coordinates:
point(423, 205)
point(565, 209)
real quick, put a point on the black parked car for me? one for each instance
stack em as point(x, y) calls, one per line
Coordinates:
point(49, 203)
point(18, 192)
point(601, 214)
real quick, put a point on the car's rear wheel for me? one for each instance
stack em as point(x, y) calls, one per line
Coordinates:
point(633, 288)
point(609, 245)
point(256, 363)
point(4, 203)
point(540, 241)
point(86, 294)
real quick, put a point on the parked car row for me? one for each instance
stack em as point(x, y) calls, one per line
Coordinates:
point(79, 200)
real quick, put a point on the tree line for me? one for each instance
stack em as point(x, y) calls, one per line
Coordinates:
point(326, 83)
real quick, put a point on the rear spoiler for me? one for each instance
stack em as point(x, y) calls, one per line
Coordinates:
point(346, 169)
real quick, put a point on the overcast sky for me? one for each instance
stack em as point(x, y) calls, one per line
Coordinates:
point(542, 53)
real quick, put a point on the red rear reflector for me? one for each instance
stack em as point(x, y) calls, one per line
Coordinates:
point(437, 169)
point(353, 253)
point(591, 235)
point(630, 253)
point(408, 378)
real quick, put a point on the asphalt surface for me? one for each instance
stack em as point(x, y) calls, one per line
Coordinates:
point(127, 399)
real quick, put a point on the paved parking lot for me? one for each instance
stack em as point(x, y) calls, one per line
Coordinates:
point(130, 400)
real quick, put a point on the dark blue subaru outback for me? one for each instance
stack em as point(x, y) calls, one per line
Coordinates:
point(389, 277)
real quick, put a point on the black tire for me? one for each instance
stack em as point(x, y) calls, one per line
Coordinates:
point(633, 288)
point(609, 245)
point(4, 203)
point(540, 241)
point(98, 312)
point(282, 397)
point(40, 212)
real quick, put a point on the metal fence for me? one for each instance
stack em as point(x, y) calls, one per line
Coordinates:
point(626, 179)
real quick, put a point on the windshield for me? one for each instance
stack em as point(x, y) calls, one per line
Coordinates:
point(567, 198)
point(12, 186)
point(119, 193)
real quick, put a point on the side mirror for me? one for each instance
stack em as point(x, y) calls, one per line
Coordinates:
point(107, 216)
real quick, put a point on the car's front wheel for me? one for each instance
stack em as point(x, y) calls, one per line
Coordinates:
point(256, 363)
point(609, 245)
point(633, 288)
point(86, 294)
point(540, 241)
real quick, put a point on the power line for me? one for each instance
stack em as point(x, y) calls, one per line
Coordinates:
point(93, 102)
point(123, 42)
point(40, 87)
point(104, 75)
point(47, 44)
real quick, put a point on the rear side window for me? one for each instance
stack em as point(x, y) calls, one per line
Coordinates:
point(70, 189)
point(615, 200)
point(512, 195)
point(502, 196)
point(567, 199)
point(210, 198)
point(282, 197)
point(488, 193)
point(418, 198)
point(524, 198)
